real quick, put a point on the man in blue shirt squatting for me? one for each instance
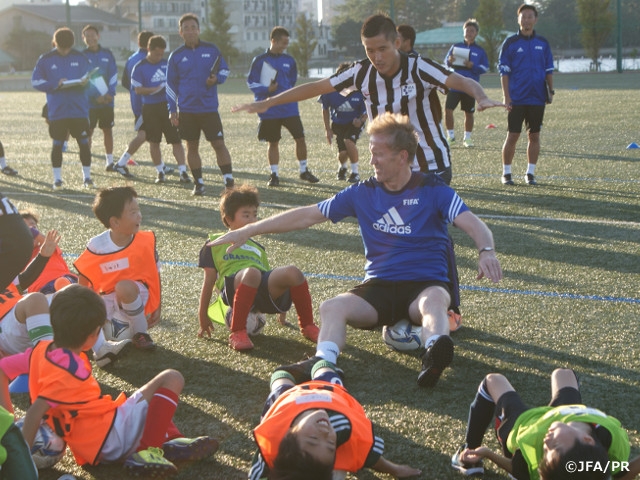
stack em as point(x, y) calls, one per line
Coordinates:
point(194, 72)
point(272, 73)
point(526, 76)
point(67, 105)
point(472, 67)
point(403, 217)
point(101, 103)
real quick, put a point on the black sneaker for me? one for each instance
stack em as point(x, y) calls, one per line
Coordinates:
point(435, 359)
point(530, 179)
point(124, 171)
point(468, 469)
point(160, 178)
point(506, 179)
point(342, 174)
point(184, 177)
point(110, 168)
point(274, 181)
point(229, 183)
point(198, 190)
point(308, 176)
point(9, 171)
point(353, 178)
point(301, 371)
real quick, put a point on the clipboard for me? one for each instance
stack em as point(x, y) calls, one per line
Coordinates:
point(548, 92)
point(268, 74)
point(460, 56)
point(215, 68)
point(79, 81)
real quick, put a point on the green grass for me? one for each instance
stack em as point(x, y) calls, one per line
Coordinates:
point(570, 250)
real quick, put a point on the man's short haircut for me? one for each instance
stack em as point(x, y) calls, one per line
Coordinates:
point(555, 469)
point(90, 27)
point(401, 134)
point(64, 38)
point(408, 32)
point(189, 16)
point(292, 463)
point(472, 22)
point(76, 311)
point(157, 41)
point(110, 202)
point(234, 199)
point(526, 6)
point(379, 24)
point(278, 32)
point(143, 38)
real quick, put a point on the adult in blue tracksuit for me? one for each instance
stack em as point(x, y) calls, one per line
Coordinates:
point(67, 106)
point(271, 73)
point(344, 117)
point(194, 72)
point(101, 103)
point(472, 67)
point(526, 75)
point(136, 106)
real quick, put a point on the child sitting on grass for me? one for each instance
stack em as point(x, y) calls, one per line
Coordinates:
point(244, 279)
point(316, 431)
point(121, 264)
point(56, 271)
point(98, 429)
point(544, 442)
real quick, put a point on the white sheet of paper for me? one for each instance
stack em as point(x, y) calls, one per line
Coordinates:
point(267, 74)
point(101, 85)
point(461, 56)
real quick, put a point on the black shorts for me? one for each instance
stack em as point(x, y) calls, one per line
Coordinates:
point(263, 302)
point(78, 128)
point(532, 115)
point(191, 124)
point(467, 102)
point(156, 118)
point(102, 117)
point(392, 299)
point(345, 131)
point(138, 124)
point(270, 129)
point(510, 406)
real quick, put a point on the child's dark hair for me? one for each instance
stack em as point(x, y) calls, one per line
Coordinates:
point(29, 216)
point(110, 202)
point(292, 463)
point(64, 38)
point(556, 469)
point(76, 311)
point(235, 198)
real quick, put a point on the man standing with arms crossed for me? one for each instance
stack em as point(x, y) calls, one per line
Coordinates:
point(526, 75)
point(194, 72)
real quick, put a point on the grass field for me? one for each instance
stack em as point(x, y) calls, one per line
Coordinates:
point(570, 251)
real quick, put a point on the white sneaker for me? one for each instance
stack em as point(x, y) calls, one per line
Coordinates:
point(467, 143)
point(109, 351)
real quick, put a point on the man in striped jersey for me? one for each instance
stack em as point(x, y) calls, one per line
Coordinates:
point(403, 218)
point(393, 82)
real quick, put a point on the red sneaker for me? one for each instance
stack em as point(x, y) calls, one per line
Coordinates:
point(455, 321)
point(240, 340)
point(310, 332)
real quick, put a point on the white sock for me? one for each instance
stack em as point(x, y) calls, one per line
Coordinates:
point(531, 168)
point(99, 342)
point(3, 162)
point(160, 168)
point(303, 166)
point(86, 171)
point(430, 340)
point(57, 174)
point(506, 169)
point(182, 168)
point(275, 169)
point(135, 312)
point(124, 159)
point(452, 133)
point(39, 327)
point(467, 135)
point(328, 351)
point(228, 176)
point(354, 168)
point(343, 165)
point(109, 158)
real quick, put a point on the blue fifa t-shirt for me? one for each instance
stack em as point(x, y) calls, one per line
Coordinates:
point(404, 233)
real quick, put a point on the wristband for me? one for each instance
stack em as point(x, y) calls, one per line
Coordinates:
point(485, 249)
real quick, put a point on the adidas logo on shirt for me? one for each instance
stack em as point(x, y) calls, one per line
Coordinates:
point(520, 50)
point(391, 222)
point(159, 76)
point(185, 59)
